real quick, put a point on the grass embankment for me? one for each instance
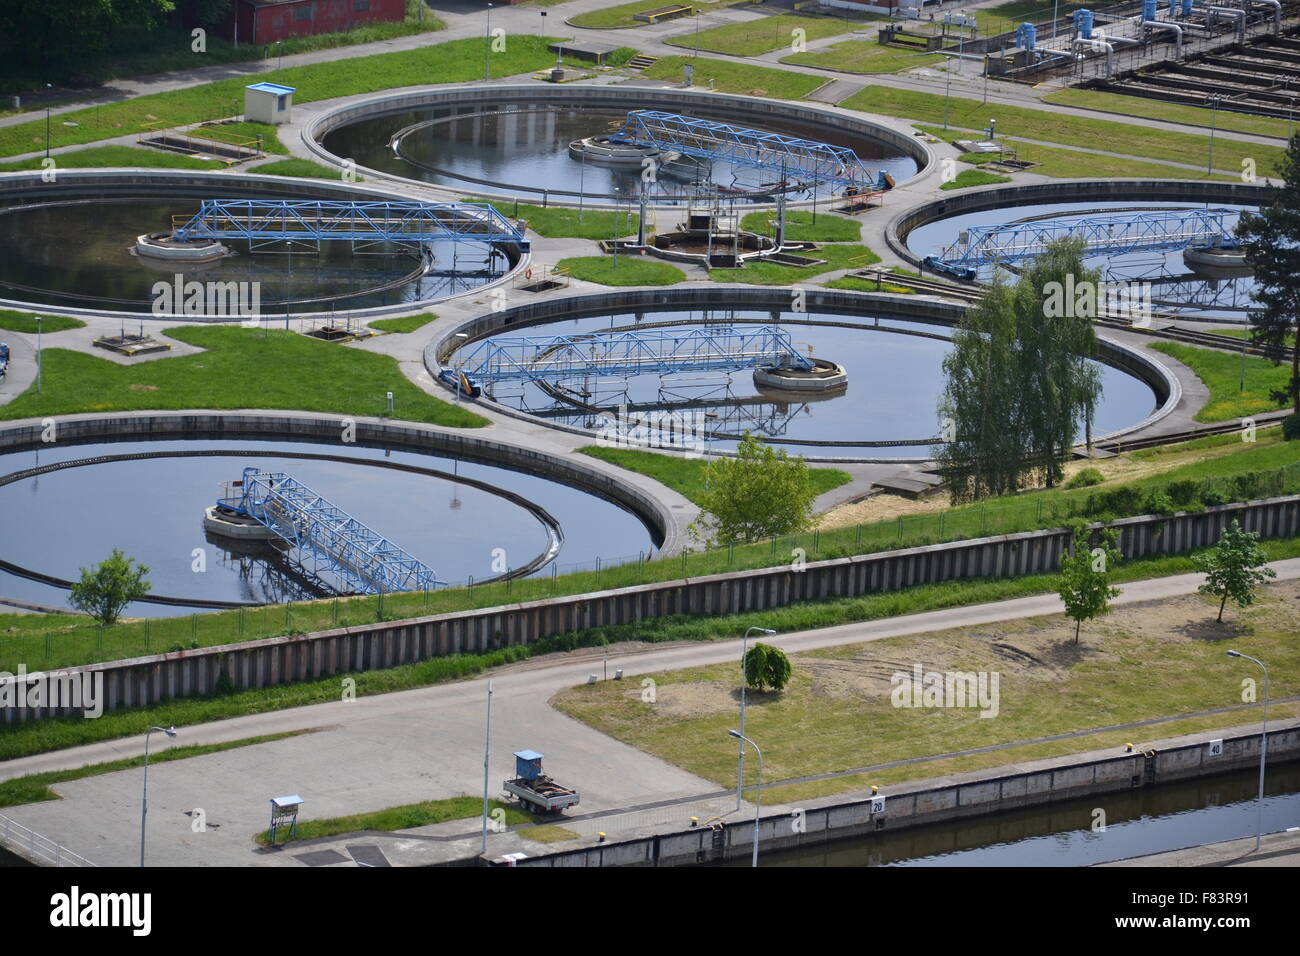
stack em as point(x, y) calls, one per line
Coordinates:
point(1060, 163)
point(799, 226)
point(456, 61)
point(303, 168)
point(855, 284)
point(134, 50)
point(627, 270)
point(18, 740)
point(26, 322)
point(848, 256)
point(35, 787)
point(755, 37)
point(1221, 373)
point(45, 643)
point(686, 475)
point(113, 157)
point(836, 714)
point(863, 56)
point(1153, 109)
point(405, 323)
point(407, 817)
point(731, 77)
point(292, 371)
point(621, 15)
point(975, 177)
point(555, 222)
point(1066, 129)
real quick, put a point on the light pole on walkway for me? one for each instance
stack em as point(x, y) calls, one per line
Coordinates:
point(39, 320)
point(740, 764)
point(758, 790)
point(144, 795)
point(487, 44)
point(1263, 750)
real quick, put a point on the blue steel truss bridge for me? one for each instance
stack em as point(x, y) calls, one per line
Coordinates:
point(553, 358)
point(1145, 231)
point(265, 221)
point(787, 156)
point(324, 538)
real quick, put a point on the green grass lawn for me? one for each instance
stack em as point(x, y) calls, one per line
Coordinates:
point(35, 787)
point(863, 56)
point(453, 62)
point(621, 14)
point(25, 322)
point(846, 256)
point(837, 712)
point(306, 168)
point(1063, 163)
point(686, 475)
point(799, 226)
point(291, 371)
point(406, 817)
point(113, 157)
point(557, 222)
point(404, 323)
point(1221, 372)
point(754, 37)
point(1066, 129)
point(628, 270)
point(731, 77)
point(1173, 112)
point(975, 177)
point(854, 284)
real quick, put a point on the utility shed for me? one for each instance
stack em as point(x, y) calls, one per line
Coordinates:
point(268, 103)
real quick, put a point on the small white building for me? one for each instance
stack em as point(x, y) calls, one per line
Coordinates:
point(268, 103)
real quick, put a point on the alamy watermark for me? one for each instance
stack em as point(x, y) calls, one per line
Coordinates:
point(679, 430)
point(1091, 300)
point(923, 688)
point(236, 300)
point(54, 689)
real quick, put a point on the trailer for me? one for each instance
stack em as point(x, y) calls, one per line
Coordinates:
point(533, 787)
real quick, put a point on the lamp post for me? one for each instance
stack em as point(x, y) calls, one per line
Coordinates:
point(1263, 749)
point(947, 82)
point(758, 791)
point(144, 796)
point(279, 52)
point(740, 763)
point(487, 754)
point(487, 43)
point(1214, 116)
point(48, 87)
point(39, 320)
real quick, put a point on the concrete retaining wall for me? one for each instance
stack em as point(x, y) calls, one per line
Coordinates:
point(251, 664)
point(919, 804)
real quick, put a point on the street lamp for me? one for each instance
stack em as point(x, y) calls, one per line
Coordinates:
point(39, 320)
point(740, 764)
point(279, 50)
point(144, 796)
point(487, 43)
point(1263, 749)
point(48, 88)
point(1214, 116)
point(758, 791)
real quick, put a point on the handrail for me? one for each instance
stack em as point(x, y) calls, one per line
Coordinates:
point(28, 843)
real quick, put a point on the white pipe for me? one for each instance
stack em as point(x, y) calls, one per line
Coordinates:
point(1161, 25)
point(1095, 44)
point(1232, 11)
point(1277, 12)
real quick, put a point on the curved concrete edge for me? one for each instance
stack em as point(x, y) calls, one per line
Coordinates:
point(1063, 190)
point(663, 525)
point(477, 95)
point(189, 184)
point(1159, 378)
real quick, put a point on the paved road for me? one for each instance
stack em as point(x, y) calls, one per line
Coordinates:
point(391, 749)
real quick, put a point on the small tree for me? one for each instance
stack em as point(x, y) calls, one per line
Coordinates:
point(1234, 568)
point(1084, 585)
point(761, 493)
point(767, 666)
point(104, 590)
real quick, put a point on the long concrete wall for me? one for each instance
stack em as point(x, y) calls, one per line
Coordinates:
point(970, 794)
point(148, 680)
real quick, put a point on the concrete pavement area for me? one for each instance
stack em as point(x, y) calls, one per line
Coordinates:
point(392, 749)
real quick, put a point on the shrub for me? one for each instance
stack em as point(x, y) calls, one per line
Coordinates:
point(1086, 479)
point(1185, 493)
point(1291, 427)
point(1156, 501)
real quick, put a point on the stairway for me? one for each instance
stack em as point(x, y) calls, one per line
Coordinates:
point(641, 61)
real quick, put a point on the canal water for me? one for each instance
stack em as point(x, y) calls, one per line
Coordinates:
point(1137, 822)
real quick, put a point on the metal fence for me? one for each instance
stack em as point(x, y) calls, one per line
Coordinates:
point(29, 844)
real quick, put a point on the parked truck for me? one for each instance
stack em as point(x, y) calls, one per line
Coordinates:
point(532, 787)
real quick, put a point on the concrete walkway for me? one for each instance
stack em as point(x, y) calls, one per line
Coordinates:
point(393, 749)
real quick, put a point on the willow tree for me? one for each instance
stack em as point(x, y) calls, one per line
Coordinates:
point(1019, 380)
point(1271, 240)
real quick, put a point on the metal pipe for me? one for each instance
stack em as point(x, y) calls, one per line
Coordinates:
point(1095, 44)
point(1233, 12)
point(1277, 12)
point(1178, 31)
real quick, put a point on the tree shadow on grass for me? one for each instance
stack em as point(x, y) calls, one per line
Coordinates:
point(1212, 631)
